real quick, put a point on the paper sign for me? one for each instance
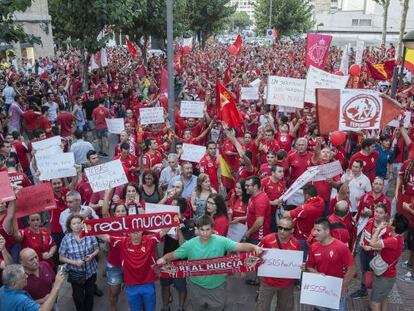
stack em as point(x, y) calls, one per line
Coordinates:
point(359, 51)
point(6, 193)
point(50, 145)
point(115, 126)
point(300, 182)
point(255, 83)
point(278, 263)
point(192, 109)
point(33, 199)
point(406, 122)
point(193, 153)
point(151, 208)
point(236, 231)
point(285, 91)
point(53, 166)
point(328, 170)
point(320, 290)
point(317, 78)
point(153, 115)
point(362, 221)
point(249, 93)
point(106, 176)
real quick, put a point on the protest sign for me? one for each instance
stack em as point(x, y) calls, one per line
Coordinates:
point(50, 145)
point(406, 120)
point(317, 78)
point(193, 153)
point(278, 263)
point(34, 199)
point(359, 51)
point(106, 176)
point(191, 109)
point(286, 92)
point(320, 290)
point(300, 182)
point(6, 193)
point(153, 115)
point(255, 83)
point(132, 223)
point(328, 170)
point(51, 166)
point(236, 231)
point(115, 126)
point(249, 93)
point(151, 208)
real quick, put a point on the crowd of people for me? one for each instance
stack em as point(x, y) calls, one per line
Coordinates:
point(366, 210)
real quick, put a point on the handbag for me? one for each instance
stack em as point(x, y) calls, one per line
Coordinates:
point(378, 265)
point(76, 277)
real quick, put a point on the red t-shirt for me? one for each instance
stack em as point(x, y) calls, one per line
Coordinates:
point(127, 163)
point(22, 154)
point(340, 233)
point(298, 164)
point(332, 259)
point(270, 241)
point(393, 247)
point(238, 207)
point(19, 179)
point(305, 215)
point(55, 213)
point(85, 190)
point(44, 124)
point(221, 225)
point(232, 160)
point(137, 259)
point(30, 120)
point(271, 145)
point(209, 165)
point(99, 114)
point(285, 141)
point(259, 206)
point(370, 163)
point(265, 170)
point(151, 159)
point(368, 201)
point(65, 121)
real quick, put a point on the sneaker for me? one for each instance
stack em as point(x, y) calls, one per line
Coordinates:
point(407, 278)
point(406, 265)
point(359, 294)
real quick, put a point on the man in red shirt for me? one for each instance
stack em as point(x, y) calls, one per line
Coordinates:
point(65, 121)
point(16, 178)
point(331, 257)
point(129, 163)
point(369, 156)
point(266, 168)
point(44, 122)
point(209, 165)
point(22, 153)
point(30, 120)
point(152, 159)
point(299, 160)
point(342, 226)
point(124, 137)
point(99, 114)
point(282, 288)
point(268, 143)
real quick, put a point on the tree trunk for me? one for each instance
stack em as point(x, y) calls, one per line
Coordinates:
point(85, 58)
point(402, 28)
point(385, 20)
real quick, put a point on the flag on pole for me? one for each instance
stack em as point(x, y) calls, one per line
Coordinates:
point(317, 48)
point(131, 48)
point(409, 60)
point(382, 71)
point(226, 107)
point(235, 48)
point(226, 176)
point(227, 76)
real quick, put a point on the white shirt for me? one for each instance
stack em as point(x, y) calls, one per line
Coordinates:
point(83, 211)
point(167, 174)
point(358, 186)
point(8, 94)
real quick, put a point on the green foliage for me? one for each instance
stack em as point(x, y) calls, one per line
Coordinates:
point(11, 31)
point(239, 20)
point(288, 16)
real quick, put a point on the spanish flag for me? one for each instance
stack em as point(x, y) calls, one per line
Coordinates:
point(382, 71)
point(409, 60)
point(226, 175)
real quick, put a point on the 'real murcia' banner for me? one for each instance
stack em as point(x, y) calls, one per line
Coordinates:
point(133, 223)
point(229, 264)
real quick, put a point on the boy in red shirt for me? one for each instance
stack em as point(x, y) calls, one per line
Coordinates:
point(99, 114)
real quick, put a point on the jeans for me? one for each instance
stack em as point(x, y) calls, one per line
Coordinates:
point(83, 294)
point(141, 296)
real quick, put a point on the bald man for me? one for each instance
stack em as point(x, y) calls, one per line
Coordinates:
point(342, 225)
point(40, 275)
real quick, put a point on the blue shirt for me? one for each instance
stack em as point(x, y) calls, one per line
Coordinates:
point(188, 186)
point(17, 300)
point(384, 157)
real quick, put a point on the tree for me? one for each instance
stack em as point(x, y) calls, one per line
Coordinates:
point(404, 12)
point(11, 31)
point(240, 20)
point(385, 5)
point(288, 16)
point(79, 22)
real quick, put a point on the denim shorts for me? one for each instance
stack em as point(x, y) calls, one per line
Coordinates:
point(101, 133)
point(114, 275)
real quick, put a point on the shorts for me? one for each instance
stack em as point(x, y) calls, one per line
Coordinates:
point(114, 275)
point(365, 259)
point(410, 239)
point(180, 284)
point(381, 288)
point(91, 125)
point(207, 299)
point(101, 133)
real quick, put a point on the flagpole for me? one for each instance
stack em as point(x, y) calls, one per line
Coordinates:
point(170, 67)
point(270, 13)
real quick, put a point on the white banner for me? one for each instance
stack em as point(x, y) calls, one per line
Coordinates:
point(236, 231)
point(287, 92)
point(300, 182)
point(328, 170)
point(255, 83)
point(249, 93)
point(115, 126)
point(106, 176)
point(193, 153)
point(191, 109)
point(188, 42)
point(345, 59)
point(317, 78)
point(281, 263)
point(320, 290)
point(151, 208)
point(50, 145)
point(360, 109)
point(52, 166)
point(359, 51)
point(152, 115)
point(406, 122)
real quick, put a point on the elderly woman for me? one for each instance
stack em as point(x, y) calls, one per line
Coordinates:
point(79, 255)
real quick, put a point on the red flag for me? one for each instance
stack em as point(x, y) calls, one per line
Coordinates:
point(382, 71)
point(358, 110)
point(33, 199)
point(164, 82)
point(317, 48)
point(235, 48)
point(226, 107)
point(131, 48)
point(227, 76)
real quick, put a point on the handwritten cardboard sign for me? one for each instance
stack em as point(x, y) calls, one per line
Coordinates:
point(191, 109)
point(106, 176)
point(34, 199)
point(152, 115)
point(193, 153)
point(50, 145)
point(115, 126)
point(286, 92)
point(278, 263)
point(52, 166)
point(6, 192)
point(249, 93)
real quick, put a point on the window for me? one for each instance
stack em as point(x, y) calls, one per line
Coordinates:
point(361, 22)
point(354, 22)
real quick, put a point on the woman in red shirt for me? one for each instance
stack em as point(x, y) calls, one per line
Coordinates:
point(216, 208)
point(283, 138)
point(238, 203)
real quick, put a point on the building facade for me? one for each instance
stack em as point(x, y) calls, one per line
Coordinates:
point(246, 6)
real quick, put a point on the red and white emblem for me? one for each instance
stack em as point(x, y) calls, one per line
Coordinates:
point(317, 51)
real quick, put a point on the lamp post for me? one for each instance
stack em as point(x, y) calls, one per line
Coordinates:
point(170, 66)
point(270, 13)
point(408, 42)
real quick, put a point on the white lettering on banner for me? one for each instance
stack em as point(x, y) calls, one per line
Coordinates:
point(317, 78)
point(106, 176)
point(249, 93)
point(328, 170)
point(152, 115)
point(280, 263)
point(136, 224)
point(115, 126)
point(51, 166)
point(193, 153)
point(320, 290)
point(286, 92)
point(191, 109)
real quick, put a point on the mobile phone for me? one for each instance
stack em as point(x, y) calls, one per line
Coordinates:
point(61, 268)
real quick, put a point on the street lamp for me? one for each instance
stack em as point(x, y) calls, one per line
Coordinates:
point(408, 41)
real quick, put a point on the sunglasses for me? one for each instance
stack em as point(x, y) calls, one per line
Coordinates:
point(283, 228)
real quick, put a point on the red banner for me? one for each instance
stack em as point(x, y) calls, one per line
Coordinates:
point(133, 223)
point(317, 48)
point(6, 193)
point(218, 265)
point(34, 199)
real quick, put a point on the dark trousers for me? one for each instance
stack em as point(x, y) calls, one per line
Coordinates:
point(83, 294)
point(57, 237)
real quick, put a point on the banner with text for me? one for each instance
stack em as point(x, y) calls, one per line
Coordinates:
point(192, 109)
point(51, 166)
point(328, 170)
point(6, 193)
point(193, 153)
point(153, 115)
point(34, 199)
point(115, 126)
point(286, 92)
point(106, 176)
point(51, 145)
point(249, 93)
point(281, 263)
